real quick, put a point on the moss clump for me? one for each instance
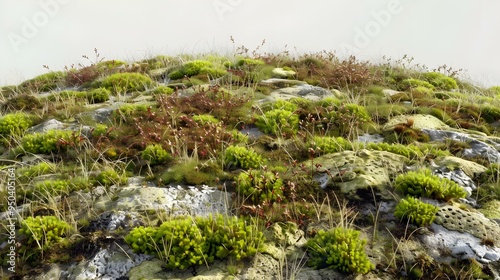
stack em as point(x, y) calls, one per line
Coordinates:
point(205, 119)
point(155, 154)
point(238, 156)
point(185, 242)
point(45, 82)
point(192, 173)
point(197, 67)
point(249, 62)
point(348, 118)
point(340, 249)
point(415, 83)
point(46, 143)
point(127, 82)
point(260, 186)
point(409, 151)
point(22, 102)
point(278, 122)
point(327, 145)
point(44, 231)
point(110, 177)
point(417, 212)
point(162, 90)
point(41, 168)
point(98, 95)
point(423, 183)
point(440, 81)
point(14, 124)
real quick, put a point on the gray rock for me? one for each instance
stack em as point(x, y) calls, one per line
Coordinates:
point(480, 145)
point(51, 124)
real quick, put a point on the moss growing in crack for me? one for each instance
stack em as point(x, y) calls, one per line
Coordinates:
point(423, 183)
point(417, 212)
point(155, 154)
point(121, 83)
point(239, 156)
point(260, 186)
point(340, 249)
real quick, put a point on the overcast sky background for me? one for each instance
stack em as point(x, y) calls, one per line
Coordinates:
point(459, 33)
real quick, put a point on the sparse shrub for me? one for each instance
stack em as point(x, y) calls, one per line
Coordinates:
point(22, 102)
point(127, 82)
point(110, 177)
point(14, 124)
point(45, 82)
point(260, 186)
point(278, 121)
point(98, 95)
point(46, 143)
point(238, 156)
point(417, 212)
point(44, 231)
point(423, 183)
point(184, 242)
point(440, 81)
point(205, 119)
point(327, 145)
point(340, 249)
point(155, 154)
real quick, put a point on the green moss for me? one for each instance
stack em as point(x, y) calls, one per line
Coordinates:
point(423, 183)
point(155, 154)
point(205, 119)
point(340, 249)
point(14, 124)
point(110, 177)
point(41, 168)
point(43, 231)
point(260, 186)
point(327, 145)
point(98, 95)
point(239, 156)
point(184, 242)
point(120, 83)
point(162, 90)
point(49, 188)
point(197, 67)
point(45, 82)
point(416, 211)
point(46, 143)
point(192, 173)
point(22, 102)
point(440, 81)
point(278, 122)
point(414, 83)
point(490, 113)
point(409, 151)
point(249, 62)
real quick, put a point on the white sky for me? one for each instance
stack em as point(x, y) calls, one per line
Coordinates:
point(459, 33)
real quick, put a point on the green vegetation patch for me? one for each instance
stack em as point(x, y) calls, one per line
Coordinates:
point(260, 186)
point(155, 154)
point(340, 249)
point(127, 82)
point(46, 143)
point(14, 124)
point(196, 67)
point(416, 211)
point(186, 242)
point(423, 183)
point(440, 81)
point(278, 122)
point(45, 82)
point(239, 156)
point(44, 231)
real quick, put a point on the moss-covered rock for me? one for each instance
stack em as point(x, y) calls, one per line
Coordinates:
point(357, 173)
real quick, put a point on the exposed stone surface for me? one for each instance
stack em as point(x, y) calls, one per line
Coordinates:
point(474, 223)
point(480, 145)
point(419, 122)
point(354, 171)
point(470, 168)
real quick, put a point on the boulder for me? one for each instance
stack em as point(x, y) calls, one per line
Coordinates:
point(358, 172)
